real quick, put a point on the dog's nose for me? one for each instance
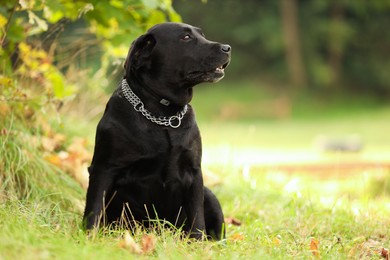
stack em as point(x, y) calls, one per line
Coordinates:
point(226, 48)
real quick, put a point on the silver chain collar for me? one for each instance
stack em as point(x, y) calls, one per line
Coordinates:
point(172, 121)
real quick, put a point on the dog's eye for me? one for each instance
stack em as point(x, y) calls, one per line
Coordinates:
point(186, 37)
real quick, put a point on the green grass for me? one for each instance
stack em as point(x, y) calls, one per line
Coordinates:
point(281, 211)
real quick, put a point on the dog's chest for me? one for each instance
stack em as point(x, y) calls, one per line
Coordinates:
point(176, 139)
point(181, 151)
point(168, 156)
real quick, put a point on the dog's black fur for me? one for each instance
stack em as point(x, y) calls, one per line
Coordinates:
point(142, 170)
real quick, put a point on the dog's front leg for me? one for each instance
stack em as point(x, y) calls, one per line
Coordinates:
point(100, 183)
point(194, 208)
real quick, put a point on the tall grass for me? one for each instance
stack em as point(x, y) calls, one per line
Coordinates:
point(25, 174)
point(38, 201)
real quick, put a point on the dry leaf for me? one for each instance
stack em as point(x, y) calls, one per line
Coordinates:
point(4, 131)
point(81, 174)
point(237, 237)
point(148, 243)
point(4, 109)
point(128, 243)
point(277, 241)
point(232, 220)
point(385, 253)
point(52, 143)
point(369, 248)
point(74, 160)
point(78, 148)
point(314, 246)
point(48, 144)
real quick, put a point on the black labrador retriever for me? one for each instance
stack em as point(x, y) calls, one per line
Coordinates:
point(147, 158)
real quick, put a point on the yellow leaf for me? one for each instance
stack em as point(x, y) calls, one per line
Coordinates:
point(24, 48)
point(4, 81)
point(54, 159)
point(237, 237)
point(314, 246)
point(277, 241)
point(3, 21)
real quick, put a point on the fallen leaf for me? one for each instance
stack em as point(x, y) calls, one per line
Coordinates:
point(232, 220)
point(48, 144)
point(54, 159)
point(78, 148)
point(277, 241)
point(52, 143)
point(237, 237)
point(4, 131)
point(314, 246)
point(128, 243)
point(4, 109)
point(74, 160)
point(385, 253)
point(369, 248)
point(148, 243)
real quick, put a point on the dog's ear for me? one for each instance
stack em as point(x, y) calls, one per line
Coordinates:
point(139, 52)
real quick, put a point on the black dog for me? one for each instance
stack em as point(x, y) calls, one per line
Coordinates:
point(147, 159)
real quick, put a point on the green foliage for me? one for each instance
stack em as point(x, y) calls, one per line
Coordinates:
point(32, 67)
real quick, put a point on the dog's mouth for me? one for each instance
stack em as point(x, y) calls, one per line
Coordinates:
point(217, 74)
point(221, 69)
point(213, 75)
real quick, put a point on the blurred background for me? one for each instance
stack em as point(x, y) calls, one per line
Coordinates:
point(309, 82)
point(323, 46)
point(308, 87)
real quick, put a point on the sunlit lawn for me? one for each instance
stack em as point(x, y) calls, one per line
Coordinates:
point(292, 198)
point(288, 187)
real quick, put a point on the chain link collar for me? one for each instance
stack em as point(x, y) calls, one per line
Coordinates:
point(172, 121)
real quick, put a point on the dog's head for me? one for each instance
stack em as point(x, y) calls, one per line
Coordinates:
point(171, 58)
